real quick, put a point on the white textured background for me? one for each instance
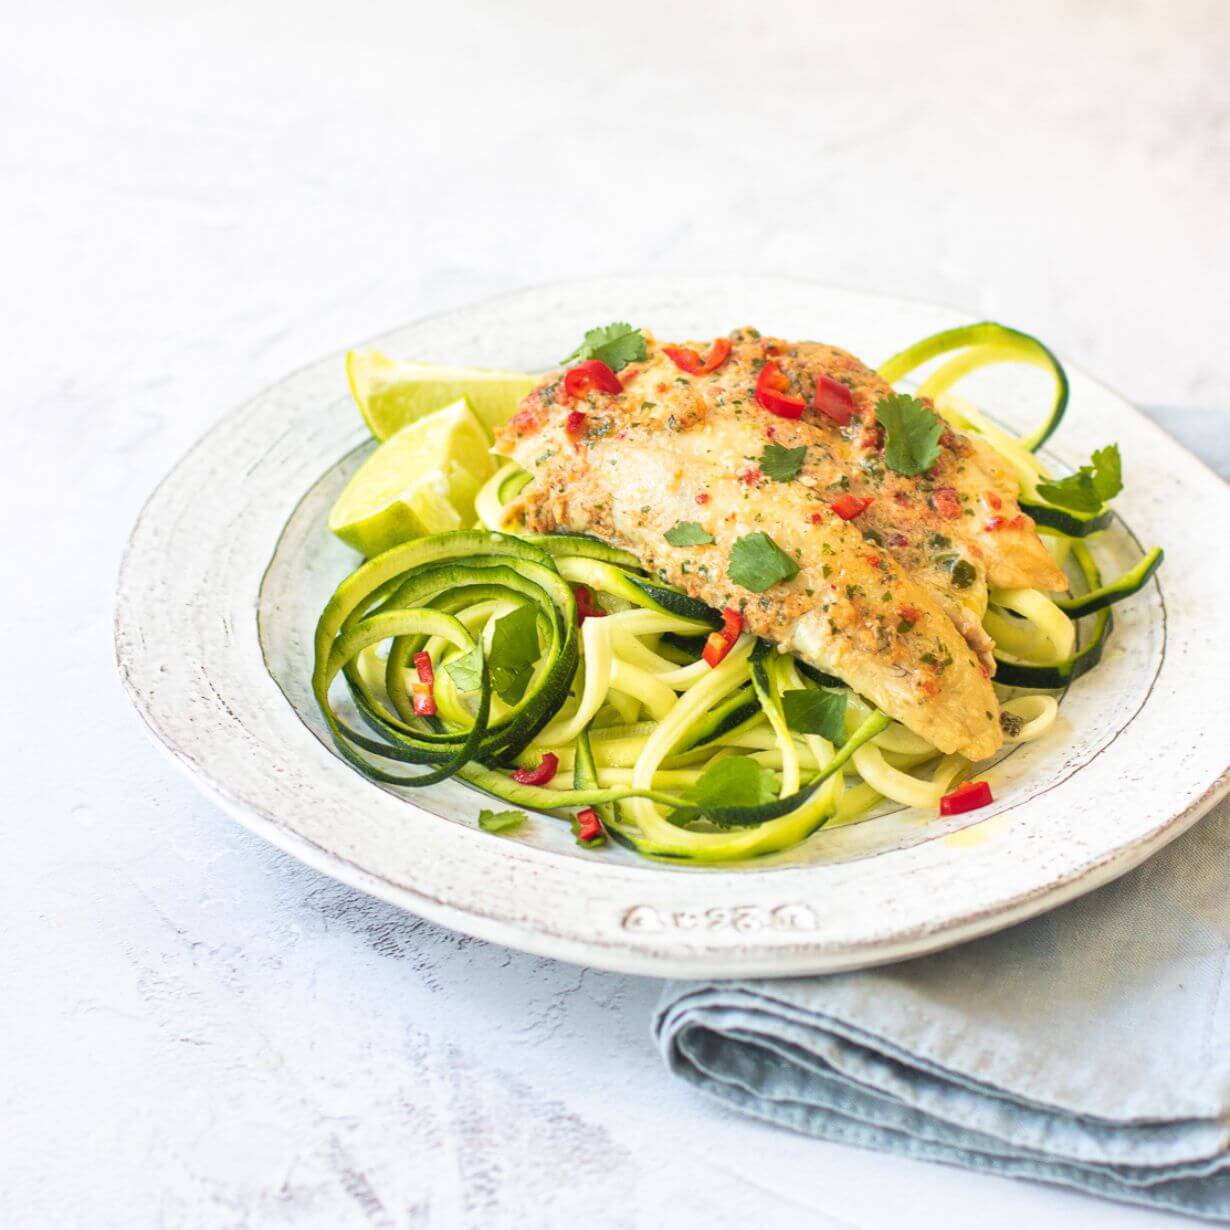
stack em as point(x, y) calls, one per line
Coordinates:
point(197, 198)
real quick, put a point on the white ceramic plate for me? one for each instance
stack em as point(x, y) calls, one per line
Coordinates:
point(230, 564)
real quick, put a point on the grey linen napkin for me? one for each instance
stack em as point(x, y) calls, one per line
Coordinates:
point(1089, 1047)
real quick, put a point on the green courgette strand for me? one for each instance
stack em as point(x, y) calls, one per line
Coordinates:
point(531, 583)
point(584, 547)
point(1064, 521)
point(452, 602)
point(549, 798)
point(764, 682)
point(688, 648)
point(466, 582)
point(750, 817)
point(984, 343)
point(590, 561)
point(672, 601)
point(599, 574)
point(382, 600)
point(1131, 582)
point(1056, 675)
point(371, 631)
point(817, 676)
point(377, 578)
point(729, 717)
point(585, 777)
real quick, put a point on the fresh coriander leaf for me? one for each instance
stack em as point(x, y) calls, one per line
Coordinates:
point(466, 671)
point(1091, 486)
point(736, 781)
point(514, 650)
point(912, 434)
point(1076, 492)
point(733, 781)
point(810, 712)
point(688, 534)
point(1107, 472)
point(510, 682)
point(500, 821)
point(782, 464)
point(757, 562)
point(616, 345)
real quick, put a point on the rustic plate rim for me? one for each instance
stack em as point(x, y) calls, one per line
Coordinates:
point(623, 951)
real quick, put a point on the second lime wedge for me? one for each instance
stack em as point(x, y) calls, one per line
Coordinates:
point(421, 480)
point(390, 393)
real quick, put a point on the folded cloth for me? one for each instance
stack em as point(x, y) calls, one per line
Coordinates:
point(1089, 1047)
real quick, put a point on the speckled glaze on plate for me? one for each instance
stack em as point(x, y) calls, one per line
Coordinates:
point(230, 563)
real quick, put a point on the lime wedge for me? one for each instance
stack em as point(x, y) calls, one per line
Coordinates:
point(421, 480)
point(391, 394)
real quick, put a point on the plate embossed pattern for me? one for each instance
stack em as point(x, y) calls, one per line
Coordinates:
point(229, 564)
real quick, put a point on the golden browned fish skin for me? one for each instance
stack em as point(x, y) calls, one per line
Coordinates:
point(874, 600)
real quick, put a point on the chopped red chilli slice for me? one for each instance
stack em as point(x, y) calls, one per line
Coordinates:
point(591, 375)
point(702, 497)
point(716, 648)
point(687, 360)
point(847, 507)
point(422, 664)
point(718, 644)
point(968, 796)
point(542, 774)
point(833, 400)
point(423, 699)
point(587, 608)
point(589, 825)
point(732, 623)
point(575, 424)
point(771, 386)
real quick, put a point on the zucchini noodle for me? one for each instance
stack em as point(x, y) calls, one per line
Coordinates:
point(1037, 713)
point(496, 493)
point(1049, 621)
point(630, 713)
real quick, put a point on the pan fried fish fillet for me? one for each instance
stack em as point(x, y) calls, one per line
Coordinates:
point(958, 529)
point(874, 601)
point(965, 504)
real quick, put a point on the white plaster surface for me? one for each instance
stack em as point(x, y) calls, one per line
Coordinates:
point(195, 199)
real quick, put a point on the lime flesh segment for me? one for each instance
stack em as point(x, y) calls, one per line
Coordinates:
point(390, 394)
point(422, 480)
